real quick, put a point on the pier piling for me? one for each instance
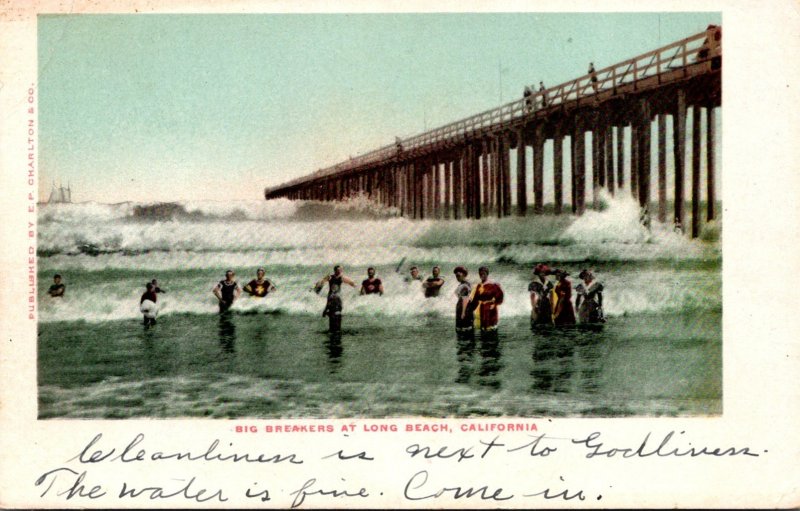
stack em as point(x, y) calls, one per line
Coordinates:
point(522, 200)
point(558, 172)
point(662, 168)
point(695, 171)
point(538, 170)
point(711, 195)
point(679, 155)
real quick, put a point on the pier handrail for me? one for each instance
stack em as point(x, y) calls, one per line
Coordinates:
point(539, 103)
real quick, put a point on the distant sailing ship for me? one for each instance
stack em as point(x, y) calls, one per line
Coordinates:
point(60, 195)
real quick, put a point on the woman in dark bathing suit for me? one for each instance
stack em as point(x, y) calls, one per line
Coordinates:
point(589, 300)
point(464, 315)
point(563, 314)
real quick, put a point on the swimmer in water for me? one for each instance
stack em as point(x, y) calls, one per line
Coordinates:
point(540, 289)
point(433, 284)
point(371, 285)
point(333, 307)
point(487, 297)
point(58, 288)
point(149, 310)
point(464, 315)
point(589, 299)
point(414, 275)
point(227, 291)
point(563, 313)
point(259, 286)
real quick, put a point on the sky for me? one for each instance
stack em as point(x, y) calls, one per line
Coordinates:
point(164, 107)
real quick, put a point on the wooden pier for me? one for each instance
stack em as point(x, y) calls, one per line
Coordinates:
point(462, 169)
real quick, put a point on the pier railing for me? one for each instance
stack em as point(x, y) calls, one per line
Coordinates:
point(672, 61)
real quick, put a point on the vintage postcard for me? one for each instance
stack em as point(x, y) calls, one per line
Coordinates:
point(280, 254)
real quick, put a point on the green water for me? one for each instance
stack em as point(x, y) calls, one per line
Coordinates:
point(286, 365)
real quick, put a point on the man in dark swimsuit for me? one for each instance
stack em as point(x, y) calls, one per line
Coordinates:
point(227, 291)
point(333, 307)
point(433, 284)
point(259, 286)
point(371, 285)
point(58, 288)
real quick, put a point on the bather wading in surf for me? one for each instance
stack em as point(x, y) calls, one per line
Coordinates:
point(333, 305)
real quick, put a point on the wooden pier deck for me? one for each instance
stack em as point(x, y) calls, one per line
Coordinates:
point(462, 169)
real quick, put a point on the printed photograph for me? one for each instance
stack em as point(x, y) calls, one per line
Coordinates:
point(380, 215)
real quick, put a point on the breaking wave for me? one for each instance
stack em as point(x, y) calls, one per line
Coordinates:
point(307, 233)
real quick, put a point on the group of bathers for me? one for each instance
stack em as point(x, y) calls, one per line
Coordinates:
point(476, 305)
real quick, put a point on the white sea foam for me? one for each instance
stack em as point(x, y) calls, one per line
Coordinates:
point(627, 293)
point(619, 223)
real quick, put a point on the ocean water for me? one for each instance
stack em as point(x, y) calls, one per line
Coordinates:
point(660, 353)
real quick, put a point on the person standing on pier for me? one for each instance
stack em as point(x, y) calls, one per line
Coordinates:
point(371, 285)
point(465, 320)
point(593, 76)
point(227, 291)
point(710, 43)
point(333, 307)
point(487, 297)
point(526, 94)
point(563, 313)
point(589, 299)
point(433, 284)
point(543, 93)
point(540, 289)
